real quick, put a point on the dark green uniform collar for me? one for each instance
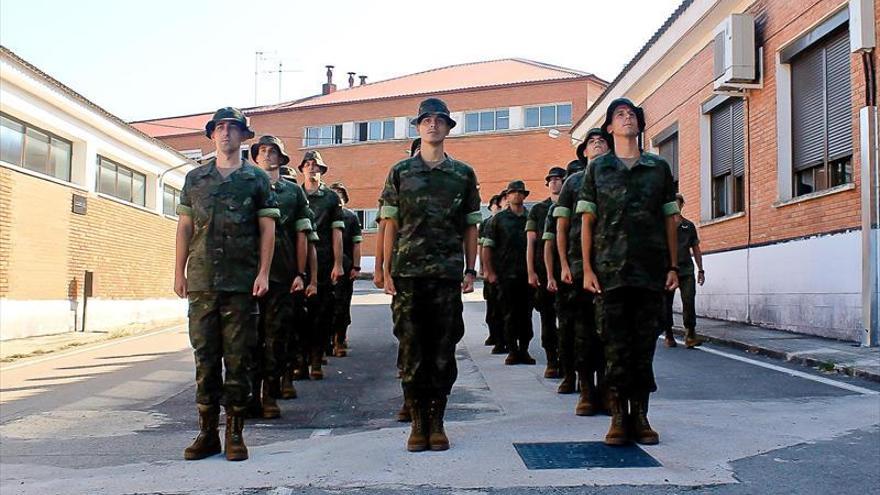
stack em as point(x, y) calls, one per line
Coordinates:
point(320, 191)
point(210, 167)
point(644, 159)
point(419, 165)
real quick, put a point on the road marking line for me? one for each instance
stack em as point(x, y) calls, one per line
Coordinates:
point(320, 433)
point(88, 348)
point(795, 373)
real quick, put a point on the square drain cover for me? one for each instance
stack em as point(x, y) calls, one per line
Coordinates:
point(579, 455)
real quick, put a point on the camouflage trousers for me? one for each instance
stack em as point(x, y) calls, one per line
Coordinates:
point(297, 330)
point(580, 348)
point(493, 316)
point(428, 324)
point(544, 304)
point(687, 287)
point(342, 308)
point(223, 334)
point(273, 333)
point(515, 295)
point(320, 308)
point(628, 320)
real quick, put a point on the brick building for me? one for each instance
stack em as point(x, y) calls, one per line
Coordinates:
point(80, 191)
point(504, 109)
point(768, 153)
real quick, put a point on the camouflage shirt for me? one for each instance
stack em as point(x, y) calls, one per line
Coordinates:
point(535, 223)
point(506, 236)
point(630, 205)
point(294, 218)
point(328, 216)
point(566, 204)
point(484, 226)
point(224, 252)
point(432, 207)
point(351, 235)
point(687, 238)
point(548, 239)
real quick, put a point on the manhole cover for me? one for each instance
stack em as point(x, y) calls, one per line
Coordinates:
point(579, 455)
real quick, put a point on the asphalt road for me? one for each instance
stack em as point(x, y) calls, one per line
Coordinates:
point(116, 417)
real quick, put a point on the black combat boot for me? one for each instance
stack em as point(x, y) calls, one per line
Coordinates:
point(207, 443)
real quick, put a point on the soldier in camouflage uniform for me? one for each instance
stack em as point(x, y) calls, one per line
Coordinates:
point(286, 278)
point(431, 205)
point(630, 220)
point(504, 252)
point(688, 241)
point(351, 266)
point(490, 290)
point(579, 345)
point(544, 300)
point(225, 239)
point(328, 226)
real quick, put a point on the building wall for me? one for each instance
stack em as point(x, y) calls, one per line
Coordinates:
point(791, 264)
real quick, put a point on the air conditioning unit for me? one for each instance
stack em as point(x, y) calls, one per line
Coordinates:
point(735, 66)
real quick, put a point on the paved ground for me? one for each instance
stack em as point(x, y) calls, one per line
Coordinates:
point(114, 419)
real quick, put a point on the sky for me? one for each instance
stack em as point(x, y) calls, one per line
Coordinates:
point(161, 58)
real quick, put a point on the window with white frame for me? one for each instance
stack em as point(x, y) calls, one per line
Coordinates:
point(367, 219)
point(121, 182)
point(487, 120)
point(170, 200)
point(412, 131)
point(548, 115)
point(727, 143)
point(375, 130)
point(26, 146)
point(326, 135)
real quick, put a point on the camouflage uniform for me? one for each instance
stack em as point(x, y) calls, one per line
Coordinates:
point(544, 300)
point(506, 237)
point(433, 207)
point(351, 235)
point(277, 324)
point(630, 259)
point(687, 239)
point(221, 269)
point(490, 294)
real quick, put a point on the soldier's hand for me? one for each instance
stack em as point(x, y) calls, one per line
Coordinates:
point(492, 278)
point(565, 275)
point(311, 290)
point(701, 277)
point(467, 284)
point(389, 286)
point(533, 279)
point(591, 282)
point(261, 285)
point(671, 280)
point(180, 285)
point(551, 286)
point(336, 274)
point(378, 279)
point(297, 285)
point(354, 273)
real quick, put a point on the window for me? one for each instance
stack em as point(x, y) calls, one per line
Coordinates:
point(25, 146)
point(668, 149)
point(121, 182)
point(367, 219)
point(170, 200)
point(727, 142)
point(327, 135)
point(548, 115)
point(412, 131)
point(487, 120)
point(376, 130)
point(821, 107)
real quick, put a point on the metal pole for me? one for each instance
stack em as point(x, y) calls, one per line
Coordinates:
point(870, 178)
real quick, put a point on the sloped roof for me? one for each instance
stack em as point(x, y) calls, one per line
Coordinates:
point(476, 75)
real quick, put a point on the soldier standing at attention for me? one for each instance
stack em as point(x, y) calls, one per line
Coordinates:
point(688, 242)
point(351, 266)
point(490, 290)
point(504, 252)
point(431, 205)
point(544, 300)
point(286, 277)
point(328, 226)
point(630, 221)
point(223, 252)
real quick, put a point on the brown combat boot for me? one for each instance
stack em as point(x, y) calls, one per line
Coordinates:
point(585, 404)
point(690, 339)
point(552, 369)
point(270, 405)
point(642, 431)
point(436, 410)
point(418, 434)
point(207, 443)
point(524, 356)
point(512, 358)
point(566, 386)
point(669, 340)
point(288, 391)
point(404, 415)
point(499, 349)
point(617, 431)
point(236, 450)
point(339, 347)
point(316, 373)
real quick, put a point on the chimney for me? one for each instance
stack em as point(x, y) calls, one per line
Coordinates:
point(328, 87)
point(363, 80)
point(351, 79)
